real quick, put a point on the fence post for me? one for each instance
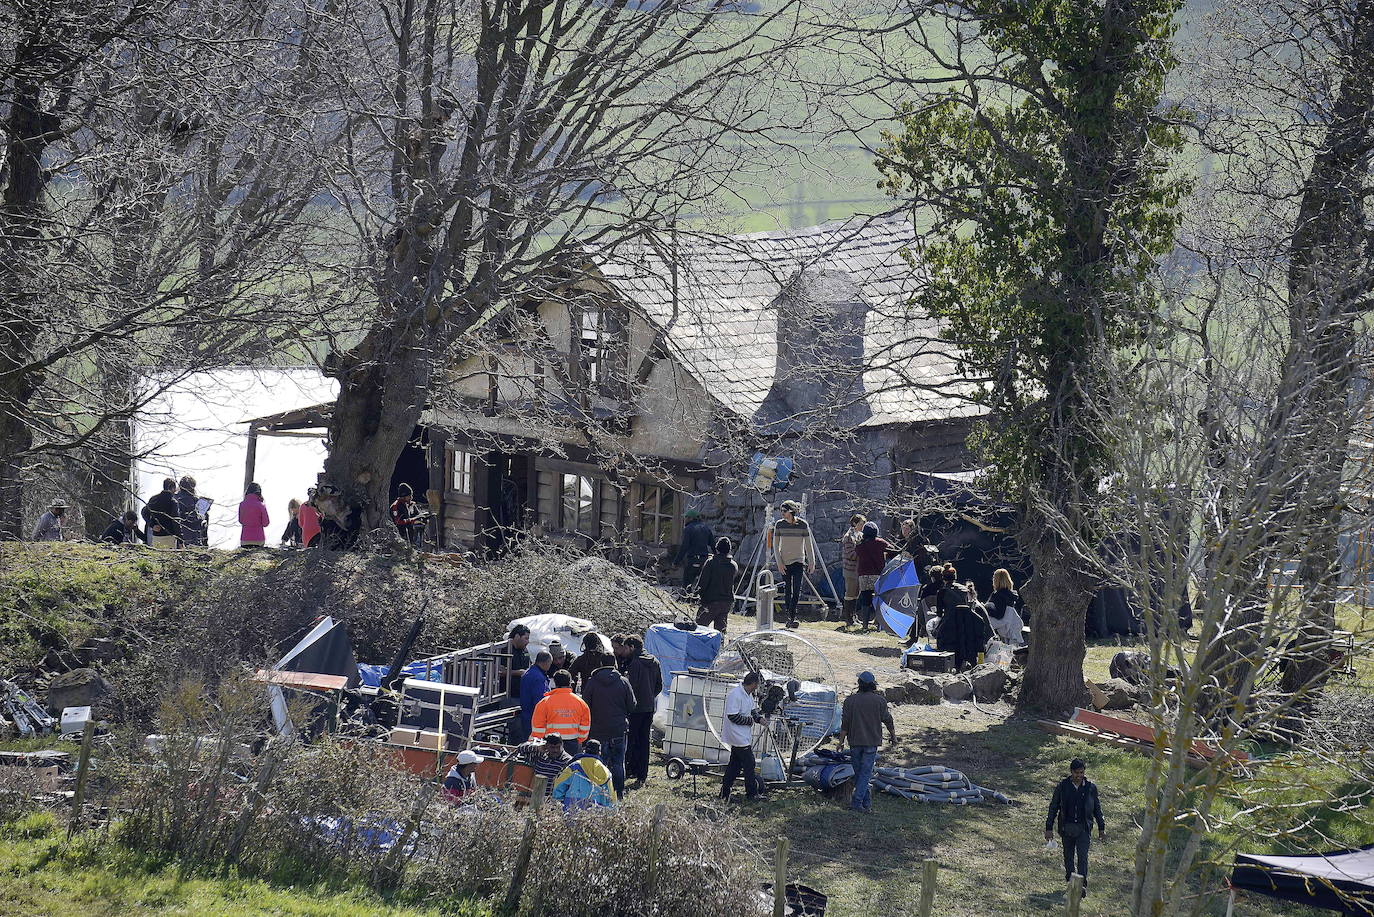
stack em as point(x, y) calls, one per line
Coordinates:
point(655, 838)
point(780, 879)
point(1075, 895)
point(539, 788)
point(928, 871)
point(83, 766)
point(522, 864)
point(266, 773)
point(395, 862)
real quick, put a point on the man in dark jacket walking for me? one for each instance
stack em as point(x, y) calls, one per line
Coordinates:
point(862, 719)
point(612, 701)
point(642, 671)
point(695, 548)
point(716, 587)
point(1074, 807)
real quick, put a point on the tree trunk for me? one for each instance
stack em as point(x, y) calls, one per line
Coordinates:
point(1058, 595)
point(381, 399)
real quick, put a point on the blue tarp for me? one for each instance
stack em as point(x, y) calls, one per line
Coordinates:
point(372, 674)
point(897, 596)
point(678, 650)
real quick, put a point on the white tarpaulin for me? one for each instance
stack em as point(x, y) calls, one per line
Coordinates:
point(197, 427)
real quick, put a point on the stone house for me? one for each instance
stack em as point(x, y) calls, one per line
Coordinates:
point(641, 384)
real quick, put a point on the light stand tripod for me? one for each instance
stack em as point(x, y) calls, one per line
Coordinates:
point(761, 558)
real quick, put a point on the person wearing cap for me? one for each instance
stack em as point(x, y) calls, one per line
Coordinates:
point(862, 719)
point(406, 515)
point(534, 684)
point(741, 713)
point(789, 540)
point(697, 539)
point(716, 587)
point(562, 659)
point(1073, 808)
point(548, 759)
point(870, 557)
point(49, 526)
point(562, 713)
point(461, 779)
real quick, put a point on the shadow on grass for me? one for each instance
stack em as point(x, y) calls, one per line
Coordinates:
point(883, 651)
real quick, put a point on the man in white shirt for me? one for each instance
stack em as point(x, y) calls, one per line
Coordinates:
point(738, 732)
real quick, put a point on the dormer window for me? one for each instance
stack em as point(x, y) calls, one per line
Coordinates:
point(599, 343)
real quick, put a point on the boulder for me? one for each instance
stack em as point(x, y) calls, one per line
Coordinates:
point(925, 689)
point(1096, 696)
point(1121, 694)
point(896, 694)
point(1131, 666)
point(956, 689)
point(989, 682)
point(77, 688)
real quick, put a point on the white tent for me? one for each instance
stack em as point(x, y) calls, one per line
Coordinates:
point(197, 426)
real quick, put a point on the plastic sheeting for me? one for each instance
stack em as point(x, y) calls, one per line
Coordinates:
point(543, 628)
point(371, 674)
point(1339, 881)
point(679, 650)
point(327, 650)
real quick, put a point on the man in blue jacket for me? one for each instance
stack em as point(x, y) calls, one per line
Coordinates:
point(534, 684)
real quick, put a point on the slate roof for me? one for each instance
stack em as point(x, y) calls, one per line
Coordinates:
point(722, 322)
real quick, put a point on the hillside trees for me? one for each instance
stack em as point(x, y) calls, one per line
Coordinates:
point(1042, 149)
point(492, 141)
point(160, 163)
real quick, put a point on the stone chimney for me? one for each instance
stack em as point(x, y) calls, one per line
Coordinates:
point(818, 377)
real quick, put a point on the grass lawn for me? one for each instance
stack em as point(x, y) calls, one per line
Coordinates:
point(41, 877)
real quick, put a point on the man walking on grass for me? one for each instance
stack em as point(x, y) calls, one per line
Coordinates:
point(1075, 806)
point(862, 719)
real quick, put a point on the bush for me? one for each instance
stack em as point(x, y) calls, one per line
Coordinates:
point(327, 805)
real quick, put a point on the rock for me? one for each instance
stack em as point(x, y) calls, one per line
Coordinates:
point(77, 688)
point(1132, 667)
point(1121, 694)
point(925, 689)
point(1096, 696)
point(957, 689)
point(897, 694)
point(989, 682)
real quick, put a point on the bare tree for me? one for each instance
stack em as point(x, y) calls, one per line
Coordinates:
point(163, 164)
point(493, 144)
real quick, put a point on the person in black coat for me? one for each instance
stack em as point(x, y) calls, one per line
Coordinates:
point(193, 533)
point(964, 631)
point(123, 530)
point(645, 676)
point(164, 516)
point(611, 701)
point(697, 538)
point(1073, 808)
point(716, 587)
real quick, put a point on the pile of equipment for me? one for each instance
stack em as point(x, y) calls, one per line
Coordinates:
point(934, 783)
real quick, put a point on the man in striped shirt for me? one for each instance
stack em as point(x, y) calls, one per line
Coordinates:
point(790, 541)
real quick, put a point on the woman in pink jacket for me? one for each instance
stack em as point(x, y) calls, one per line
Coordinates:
point(253, 518)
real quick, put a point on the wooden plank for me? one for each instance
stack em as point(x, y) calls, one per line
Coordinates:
point(310, 681)
point(1102, 738)
point(1142, 733)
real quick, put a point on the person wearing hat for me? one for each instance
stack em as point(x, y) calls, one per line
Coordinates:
point(49, 527)
point(862, 719)
point(592, 657)
point(697, 539)
point(461, 779)
point(789, 540)
point(406, 514)
point(562, 659)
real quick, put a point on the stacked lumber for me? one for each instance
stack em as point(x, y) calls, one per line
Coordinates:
point(1101, 729)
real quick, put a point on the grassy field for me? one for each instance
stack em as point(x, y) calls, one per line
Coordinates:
point(41, 876)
